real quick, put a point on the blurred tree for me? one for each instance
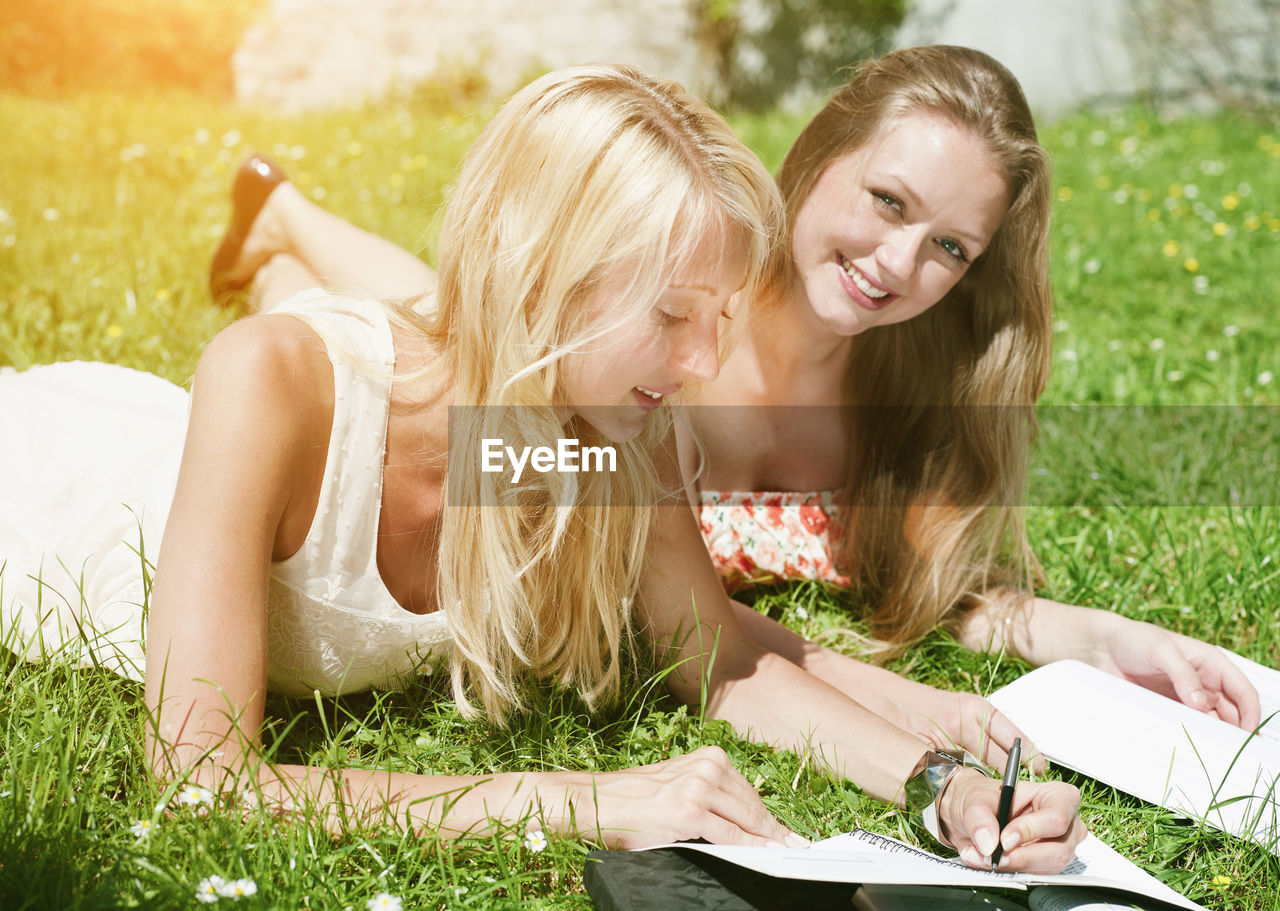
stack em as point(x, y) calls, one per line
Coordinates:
point(767, 50)
point(1228, 50)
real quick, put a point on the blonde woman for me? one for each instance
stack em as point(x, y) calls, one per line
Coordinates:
point(889, 362)
point(325, 533)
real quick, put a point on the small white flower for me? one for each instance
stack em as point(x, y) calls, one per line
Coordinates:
point(1231, 331)
point(201, 136)
point(1191, 191)
point(141, 829)
point(536, 841)
point(51, 214)
point(1201, 284)
point(1098, 137)
point(238, 889)
point(1211, 355)
point(1157, 344)
point(1061, 325)
point(1069, 355)
point(1093, 267)
point(194, 796)
point(802, 613)
point(384, 901)
point(231, 138)
point(1173, 376)
point(1115, 345)
point(210, 889)
point(1265, 377)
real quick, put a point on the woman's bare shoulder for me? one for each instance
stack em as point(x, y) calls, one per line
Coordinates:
point(269, 366)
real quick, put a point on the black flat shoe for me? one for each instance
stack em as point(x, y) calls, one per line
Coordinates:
point(256, 177)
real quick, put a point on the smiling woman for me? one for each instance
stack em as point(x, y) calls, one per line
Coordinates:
point(896, 224)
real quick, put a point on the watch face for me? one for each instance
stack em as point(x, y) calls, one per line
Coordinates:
point(930, 774)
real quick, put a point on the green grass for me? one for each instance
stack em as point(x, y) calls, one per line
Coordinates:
point(111, 208)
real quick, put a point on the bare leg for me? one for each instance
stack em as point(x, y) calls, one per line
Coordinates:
point(335, 253)
point(278, 279)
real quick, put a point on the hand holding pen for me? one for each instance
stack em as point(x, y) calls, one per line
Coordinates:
point(1032, 826)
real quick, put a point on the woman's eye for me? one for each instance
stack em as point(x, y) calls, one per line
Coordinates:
point(954, 250)
point(887, 201)
point(667, 319)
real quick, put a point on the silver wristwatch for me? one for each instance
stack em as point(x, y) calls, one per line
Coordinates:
point(929, 777)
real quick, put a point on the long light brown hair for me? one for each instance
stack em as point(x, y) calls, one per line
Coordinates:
point(942, 419)
point(586, 175)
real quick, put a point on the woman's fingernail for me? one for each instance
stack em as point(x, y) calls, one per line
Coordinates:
point(1011, 839)
point(971, 856)
point(797, 841)
point(985, 839)
point(774, 844)
point(1199, 699)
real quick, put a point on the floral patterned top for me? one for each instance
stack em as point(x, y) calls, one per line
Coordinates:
point(762, 537)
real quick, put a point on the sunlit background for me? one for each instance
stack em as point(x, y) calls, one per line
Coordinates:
point(121, 124)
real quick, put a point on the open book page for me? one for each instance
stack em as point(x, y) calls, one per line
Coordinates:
point(1149, 746)
point(1266, 681)
point(865, 857)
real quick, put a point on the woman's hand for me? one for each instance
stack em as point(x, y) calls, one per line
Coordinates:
point(1173, 665)
point(698, 795)
point(947, 720)
point(1179, 667)
point(1042, 833)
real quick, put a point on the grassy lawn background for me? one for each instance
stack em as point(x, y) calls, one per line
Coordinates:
point(1165, 260)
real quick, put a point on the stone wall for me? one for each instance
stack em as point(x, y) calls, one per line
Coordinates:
point(308, 54)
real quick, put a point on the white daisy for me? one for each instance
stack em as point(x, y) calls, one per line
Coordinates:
point(210, 889)
point(194, 796)
point(238, 889)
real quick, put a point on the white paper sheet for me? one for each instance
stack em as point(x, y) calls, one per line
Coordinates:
point(1154, 748)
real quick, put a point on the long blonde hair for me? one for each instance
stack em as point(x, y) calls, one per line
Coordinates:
point(942, 423)
point(586, 175)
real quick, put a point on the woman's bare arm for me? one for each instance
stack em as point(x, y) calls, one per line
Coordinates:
point(260, 421)
point(770, 699)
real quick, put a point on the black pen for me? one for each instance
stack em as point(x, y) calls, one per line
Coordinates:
point(1006, 797)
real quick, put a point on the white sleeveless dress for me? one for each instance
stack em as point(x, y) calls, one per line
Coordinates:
point(86, 479)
